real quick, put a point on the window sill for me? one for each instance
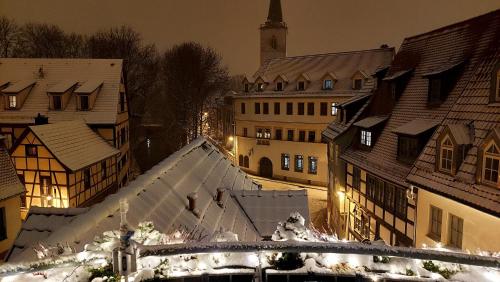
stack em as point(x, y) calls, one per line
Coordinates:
point(434, 237)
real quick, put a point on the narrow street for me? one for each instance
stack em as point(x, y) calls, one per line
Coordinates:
point(317, 196)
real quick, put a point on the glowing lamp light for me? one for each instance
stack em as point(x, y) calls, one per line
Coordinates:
point(49, 197)
point(231, 138)
point(205, 114)
point(340, 194)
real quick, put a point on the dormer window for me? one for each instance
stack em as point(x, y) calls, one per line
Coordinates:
point(279, 86)
point(83, 102)
point(495, 85)
point(56, 102)
point(301, 85)
point(247, 87)
point(327, 84)
point(366, 137)
point(442, 81)
point(12, 101)
point(491, 164)
point(357, 84)
point(260, 87)
point(446, 155)
point(397, 83)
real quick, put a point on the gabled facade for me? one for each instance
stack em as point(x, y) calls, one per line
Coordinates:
point(457, 172)
point(64, 165)
point(428, 75)
point(64, 90)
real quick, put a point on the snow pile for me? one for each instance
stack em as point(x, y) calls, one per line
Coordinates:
point(294, 229)
point(224, 236)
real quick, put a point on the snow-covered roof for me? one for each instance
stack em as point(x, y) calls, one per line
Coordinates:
point(267, 208)
point(10, 185)
point(160, 196)
point(40, 223)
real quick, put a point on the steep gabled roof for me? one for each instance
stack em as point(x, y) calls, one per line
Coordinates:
point(10, 185)
point(343, 65)
point(160, 196)
point(54, 72)
point(73, 143)
point(471, 117)
point(468, 41)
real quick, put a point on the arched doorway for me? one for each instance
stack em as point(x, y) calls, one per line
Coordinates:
point(265, 168)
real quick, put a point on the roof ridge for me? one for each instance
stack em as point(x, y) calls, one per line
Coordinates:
point(450, 26)
point(330, 54)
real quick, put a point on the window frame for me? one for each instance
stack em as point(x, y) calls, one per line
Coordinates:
point(326, 82)
point(299, 163)
point(355, 85)
point(85, 98)
point(323, 108)
point(104, 168)
point(245, 132)
point(310, 108)
point(356, 178)
point(29, 153)
point(435, 223)
point(334, 110)
point(312, 167)
point(494, 157)
point(59, 103)
point(87, 175)
point(11, 102)
point(311, 133)
point(279, 86)
point(277, 108)
point(455, 227)
point(401, 202)
point(257, 108)
point(278, 134)
point(290, 137)
point(408, 148)
point(301, 85)
point(285, 161)
point(449, 148)
point(243, 108)
point(260, 87)
point(302, 136)
point(300, 108)
point(366, 137)
point(265, 108)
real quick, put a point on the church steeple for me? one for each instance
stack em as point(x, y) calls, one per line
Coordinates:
point(275, 14)
point(273, 34)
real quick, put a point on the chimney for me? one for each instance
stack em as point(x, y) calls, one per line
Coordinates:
point(218, 197)
point(39, 119)
point(192, 197)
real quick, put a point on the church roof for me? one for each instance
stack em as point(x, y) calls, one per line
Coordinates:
point(275, 15)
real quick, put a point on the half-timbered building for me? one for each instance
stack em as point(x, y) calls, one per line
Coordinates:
point(428, 74)
point(64, 90)
point(64, 164)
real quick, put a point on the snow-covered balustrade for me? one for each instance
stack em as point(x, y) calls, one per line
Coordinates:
point(339, 247)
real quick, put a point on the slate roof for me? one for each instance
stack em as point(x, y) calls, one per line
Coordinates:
point(472, 113)
point(39, 224)
point(267, 208)
point(55, 72)
point(335, 129)
point(469, 40)
point(416, 127)
point(73, 143)
point(314, 67)
point(10, 185)
point(370, 122)
point(160, 195)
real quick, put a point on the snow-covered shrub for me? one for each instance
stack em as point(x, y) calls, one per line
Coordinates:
point(105, 273)
point(286, 261)
point(293, 229)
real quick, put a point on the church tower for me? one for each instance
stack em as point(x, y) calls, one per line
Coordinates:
point(273, 34)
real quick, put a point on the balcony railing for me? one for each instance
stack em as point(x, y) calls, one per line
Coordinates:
point(266, 142)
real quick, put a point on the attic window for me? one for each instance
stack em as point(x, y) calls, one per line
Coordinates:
point(442, 81)
point(491, 164)
point(446, 155)
point(366, 137)
point(357, 83)
point(260, 87)
point(12, 101)
point(279, 86)
point(84, 102)
point(301, 85)
point(247, 87)
point(397, 82)
point(56, 102)
point(328, 84)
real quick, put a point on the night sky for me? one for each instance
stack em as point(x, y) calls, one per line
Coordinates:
point(231, 26)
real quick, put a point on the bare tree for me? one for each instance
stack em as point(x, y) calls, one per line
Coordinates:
point(8, 36)
point(41, 41)
point(190, 74)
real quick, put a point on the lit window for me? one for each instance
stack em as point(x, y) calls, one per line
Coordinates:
point(313, 165)
point(260, 133)
point(279, 86)
point(456, 231)
point(327, 84)
point(334, 109)
point(366, 138)
point(299, 163)
point(267, 133)
point(435, 222)
point(260, 87)
point(446, 155)
point(12, 101)
point(491, 164)
point(285, 161)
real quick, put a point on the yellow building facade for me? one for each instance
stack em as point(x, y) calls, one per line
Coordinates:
point(64, 174)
